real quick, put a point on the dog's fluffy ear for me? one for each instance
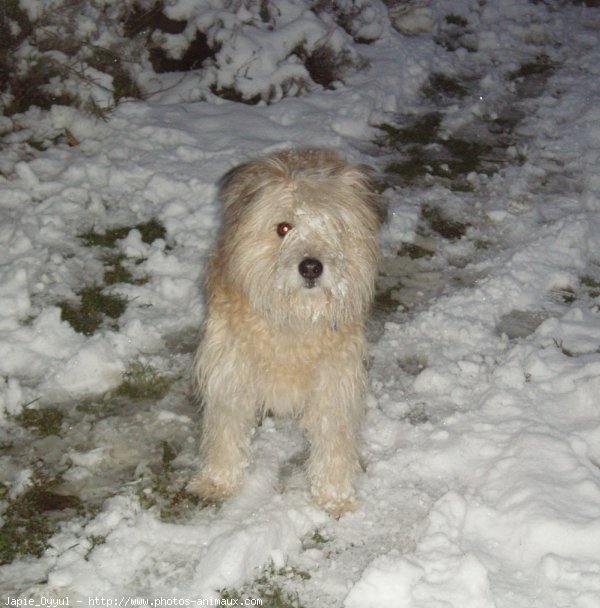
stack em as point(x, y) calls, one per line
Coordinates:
point(237, 187)
point(240, 185)
point(360, 178)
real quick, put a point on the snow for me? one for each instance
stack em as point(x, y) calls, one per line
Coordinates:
point(481, 443)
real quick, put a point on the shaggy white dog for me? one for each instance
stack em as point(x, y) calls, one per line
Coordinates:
point(289, 286)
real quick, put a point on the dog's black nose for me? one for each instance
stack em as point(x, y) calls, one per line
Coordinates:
point(310, 268)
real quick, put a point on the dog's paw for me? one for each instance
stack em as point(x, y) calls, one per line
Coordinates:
point(336, 505)
point(208, 489)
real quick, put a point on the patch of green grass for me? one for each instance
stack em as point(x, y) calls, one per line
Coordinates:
point(440, 86)
point(447, 228)
point(93, 307)
point(455, 34)
point(99, 408)
point(117, 272)
point(318, 539)
point(168, 456)
point(231, 597)
point(275, 597)
point(269, 588)
point(451, 167)
point(410, 170)
point(413, 364)
point(450, 170)
point(172, 502)
point(417, 416)
point(97, 539)
point(150, 231)
point(267, 578)
point(44, 421)
point(540, 65)
point(95, 304)
point(461, 158)
point(482, 244)
point(592, 285)
point(144, 382)
point(568, 295)
point(177, 504)
point(26, 528)
point(457, 20)
point(104, 239)
point(590, 282)
point(467, 153)
point(423, 130)
point(385, 301)
point(425, 152)
point(414, 252)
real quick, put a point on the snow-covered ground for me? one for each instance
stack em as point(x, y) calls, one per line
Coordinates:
point(481, 442)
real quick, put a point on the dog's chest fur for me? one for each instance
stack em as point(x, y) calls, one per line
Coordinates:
point(288, 363)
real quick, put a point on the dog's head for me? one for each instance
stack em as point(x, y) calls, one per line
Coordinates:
point(300, 237)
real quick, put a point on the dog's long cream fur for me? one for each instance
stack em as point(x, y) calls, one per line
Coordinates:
point(281, 335)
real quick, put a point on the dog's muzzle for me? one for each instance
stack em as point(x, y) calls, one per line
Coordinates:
point(310, 269)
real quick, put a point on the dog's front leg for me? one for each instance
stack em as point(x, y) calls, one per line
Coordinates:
point(228, 418)
point(332, 422)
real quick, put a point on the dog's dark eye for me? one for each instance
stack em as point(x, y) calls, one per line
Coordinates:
point(283, 229)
